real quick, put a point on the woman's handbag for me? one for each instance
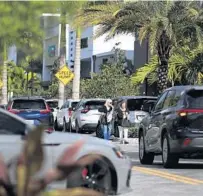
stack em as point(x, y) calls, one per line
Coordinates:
point(126, 123)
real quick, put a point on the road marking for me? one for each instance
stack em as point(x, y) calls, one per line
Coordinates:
point(168, 175)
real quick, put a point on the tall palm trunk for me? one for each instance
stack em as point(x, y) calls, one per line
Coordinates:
point(163, 48)
point(76, 80)
point(4, 77)
point(62, 62)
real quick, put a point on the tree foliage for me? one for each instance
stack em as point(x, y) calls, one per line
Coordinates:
point(185, 67)
point(110, 82)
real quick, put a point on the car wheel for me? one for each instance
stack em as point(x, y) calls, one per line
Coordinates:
point(77, 128)
point(145, 158)
point(64, 126)
point(96, 176)
point(56, 125)
point(99, 131)
point(169, 160)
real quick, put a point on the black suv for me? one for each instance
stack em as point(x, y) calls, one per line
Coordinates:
point(174, 127)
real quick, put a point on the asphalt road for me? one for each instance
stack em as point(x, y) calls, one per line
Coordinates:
point(154, 180)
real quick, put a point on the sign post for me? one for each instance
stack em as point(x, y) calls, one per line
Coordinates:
point(65, 75)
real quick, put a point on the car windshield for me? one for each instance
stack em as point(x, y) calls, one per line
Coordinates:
point(74, 104)
point(52, 104)
point(194, 99)
point(139, 104)
point(29, 104)
point(94, 105)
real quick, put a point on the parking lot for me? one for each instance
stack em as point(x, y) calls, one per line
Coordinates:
point(154, 180)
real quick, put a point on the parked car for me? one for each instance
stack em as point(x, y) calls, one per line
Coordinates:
point(62, 121)
point(3, 106)
point(34, 110)
point(53, 104)
point(174, 128)
point(138, 106)
point(107, 172)
point(86, 115)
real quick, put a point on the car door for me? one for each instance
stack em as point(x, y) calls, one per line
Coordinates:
point(155, 120)
point(78, 108)
point(60, 114)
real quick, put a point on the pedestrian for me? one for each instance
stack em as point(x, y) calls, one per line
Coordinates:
point(123, 122)
point(106, 118)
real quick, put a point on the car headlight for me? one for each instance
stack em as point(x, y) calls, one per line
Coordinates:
point(119, 153)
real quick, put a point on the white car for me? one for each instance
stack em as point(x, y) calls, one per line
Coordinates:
point(115, 163)
point(53, 104)
point(62, 121)
point(86, 116)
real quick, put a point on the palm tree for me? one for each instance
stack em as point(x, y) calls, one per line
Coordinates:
point(166, 24)
point(185, 67)
point(18, 18)
point(68, 11)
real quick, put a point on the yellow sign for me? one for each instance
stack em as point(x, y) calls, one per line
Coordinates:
point(1, 84)
point(65, 75)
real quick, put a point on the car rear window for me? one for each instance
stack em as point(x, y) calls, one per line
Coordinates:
point(138, 104)
point(94, 105)
point(74, 104)
point(194, 99)
point(29, 104)
point(52, 104)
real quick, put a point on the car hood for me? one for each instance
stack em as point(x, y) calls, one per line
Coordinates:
point(69, 138)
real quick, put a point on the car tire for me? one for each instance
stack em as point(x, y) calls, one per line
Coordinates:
point(99, 131)
point(145, 158)
point(169, 160)
point(56, 125)
point(100, 173)
point(77, 128)
point(64, 129)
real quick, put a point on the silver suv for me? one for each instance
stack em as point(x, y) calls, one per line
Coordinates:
point(86, 115)
point(62, 121)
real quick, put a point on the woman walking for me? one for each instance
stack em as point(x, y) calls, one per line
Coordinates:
point(123, 122)
point(106, 118)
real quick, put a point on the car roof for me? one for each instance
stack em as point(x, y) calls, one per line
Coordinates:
point(51, 100)
point(27, 98)
point(135, 97)
point(186, 87)
point(72, 100)
point(94, 99)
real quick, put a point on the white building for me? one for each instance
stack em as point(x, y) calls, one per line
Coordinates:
point(94, 52)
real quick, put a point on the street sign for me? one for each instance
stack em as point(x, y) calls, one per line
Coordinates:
point(1, 84)
point(65, 75)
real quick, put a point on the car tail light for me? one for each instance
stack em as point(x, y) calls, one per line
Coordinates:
point(85, 110)
point(70, 112)
point(185, 112)
point(13, 110)
point(46, 111)
point(187, 141)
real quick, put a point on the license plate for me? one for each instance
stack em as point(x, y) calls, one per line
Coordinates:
point(30, 122)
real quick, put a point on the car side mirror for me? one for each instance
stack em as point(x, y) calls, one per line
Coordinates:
point(57, 108)
point(52, 110)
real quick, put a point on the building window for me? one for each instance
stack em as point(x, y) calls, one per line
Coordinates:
point(71, 49)
point(71, 43)
point(71, 32)
point(71, 37)
point(71, 55)
point(84, 43)
point(104, 61)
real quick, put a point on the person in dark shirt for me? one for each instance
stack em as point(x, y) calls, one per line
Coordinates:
point(122, 116)
point(106, 118)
